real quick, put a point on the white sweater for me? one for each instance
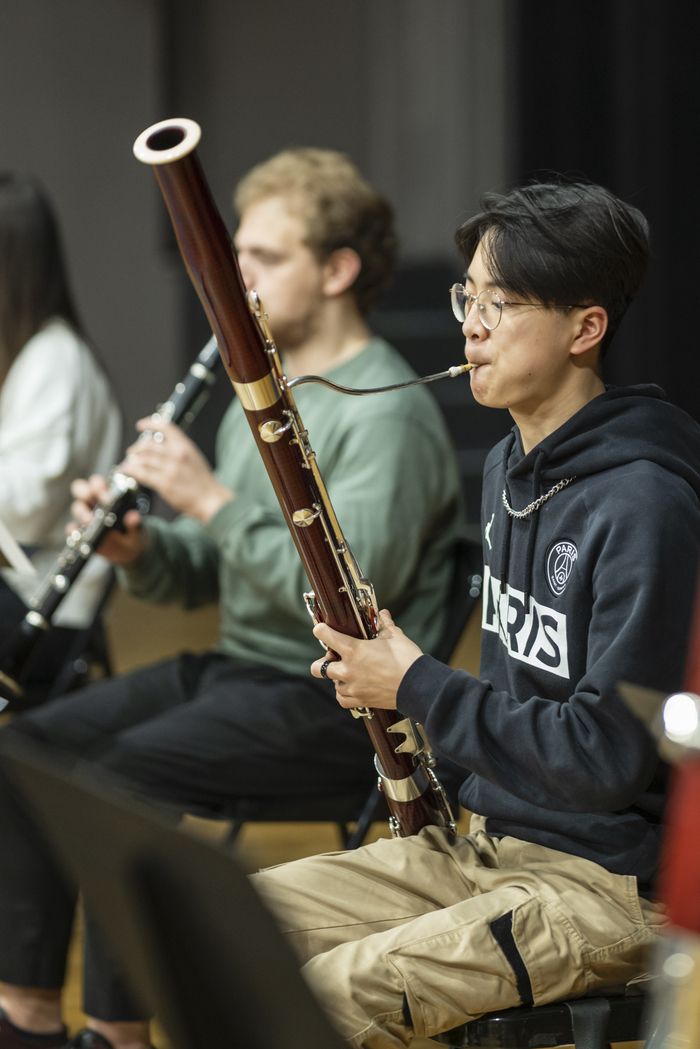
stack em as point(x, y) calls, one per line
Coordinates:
point(58, 421)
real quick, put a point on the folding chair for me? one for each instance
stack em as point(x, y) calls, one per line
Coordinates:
point(592, 1022)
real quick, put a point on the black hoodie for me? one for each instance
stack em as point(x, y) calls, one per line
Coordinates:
point(595, 586)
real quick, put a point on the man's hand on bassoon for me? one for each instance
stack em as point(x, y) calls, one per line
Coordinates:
point(366, 673)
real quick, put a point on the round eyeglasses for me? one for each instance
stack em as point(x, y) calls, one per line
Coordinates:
point(489, 305)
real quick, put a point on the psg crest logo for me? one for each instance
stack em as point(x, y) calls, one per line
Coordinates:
point(561, 558)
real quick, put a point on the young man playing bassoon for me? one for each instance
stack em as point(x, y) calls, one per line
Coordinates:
point(591, 525)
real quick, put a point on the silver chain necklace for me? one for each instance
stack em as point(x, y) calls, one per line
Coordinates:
point(536, 503)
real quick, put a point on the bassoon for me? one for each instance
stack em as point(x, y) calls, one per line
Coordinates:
point(341, 596)
point(181, 407)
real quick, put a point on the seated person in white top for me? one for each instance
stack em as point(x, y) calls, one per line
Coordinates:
point(58, 417)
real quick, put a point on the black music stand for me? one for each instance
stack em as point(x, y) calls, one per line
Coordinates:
point(180, 916)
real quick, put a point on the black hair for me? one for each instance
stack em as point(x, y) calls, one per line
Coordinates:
point(34, 285)
point(562, 243)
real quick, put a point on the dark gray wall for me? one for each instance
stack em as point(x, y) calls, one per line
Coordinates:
point(414, 91)
point(385, 81)
point(436, 100)
point(77, 80)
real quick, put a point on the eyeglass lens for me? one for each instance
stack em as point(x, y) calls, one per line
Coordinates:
point(487, 304)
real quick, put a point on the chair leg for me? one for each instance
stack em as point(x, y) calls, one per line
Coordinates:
point(99, 650)
point(233, 831)
point(242, 812)
point(87, 649)
point(589, 1022)
point(365, 820)
point(344, 832)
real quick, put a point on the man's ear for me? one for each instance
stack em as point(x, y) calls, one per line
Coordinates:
point(340, 271)
point(591, 326)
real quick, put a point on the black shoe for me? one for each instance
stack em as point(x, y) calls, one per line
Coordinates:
point(12, 1037)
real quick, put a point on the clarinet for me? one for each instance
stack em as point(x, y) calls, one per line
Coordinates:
point(182, 407)
point(341, 595)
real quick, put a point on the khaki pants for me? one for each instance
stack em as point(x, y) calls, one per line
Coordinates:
point(411, 936)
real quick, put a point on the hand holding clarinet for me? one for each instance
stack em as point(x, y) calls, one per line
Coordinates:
point(166, 461)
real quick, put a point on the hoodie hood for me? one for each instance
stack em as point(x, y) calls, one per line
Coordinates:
point(632, 418)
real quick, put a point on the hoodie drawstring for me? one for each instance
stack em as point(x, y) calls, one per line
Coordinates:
point(505, 546)
point(532, 523)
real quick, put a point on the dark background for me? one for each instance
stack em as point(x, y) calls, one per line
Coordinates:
point(436, 101)
point(612, 90)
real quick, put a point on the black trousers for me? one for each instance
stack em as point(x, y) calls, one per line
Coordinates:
point(192, 732)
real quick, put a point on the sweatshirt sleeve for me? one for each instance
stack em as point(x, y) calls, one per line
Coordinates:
point(588, 752)
point(180, 564)
point(385, 479)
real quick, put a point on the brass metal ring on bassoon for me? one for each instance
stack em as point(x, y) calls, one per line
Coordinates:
point(254, 396)
point(408, 788)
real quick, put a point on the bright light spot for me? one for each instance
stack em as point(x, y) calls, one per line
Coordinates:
point(678, 966)
point(681, 716)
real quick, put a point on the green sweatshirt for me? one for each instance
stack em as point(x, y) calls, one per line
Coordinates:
point(392, 477)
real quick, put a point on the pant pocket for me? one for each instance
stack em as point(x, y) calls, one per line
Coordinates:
point(497, 961)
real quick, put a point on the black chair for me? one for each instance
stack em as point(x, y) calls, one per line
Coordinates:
point(354, 812)
point(179, 914)
point(593, 1022)
point(87, 649)
point(63, 658)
